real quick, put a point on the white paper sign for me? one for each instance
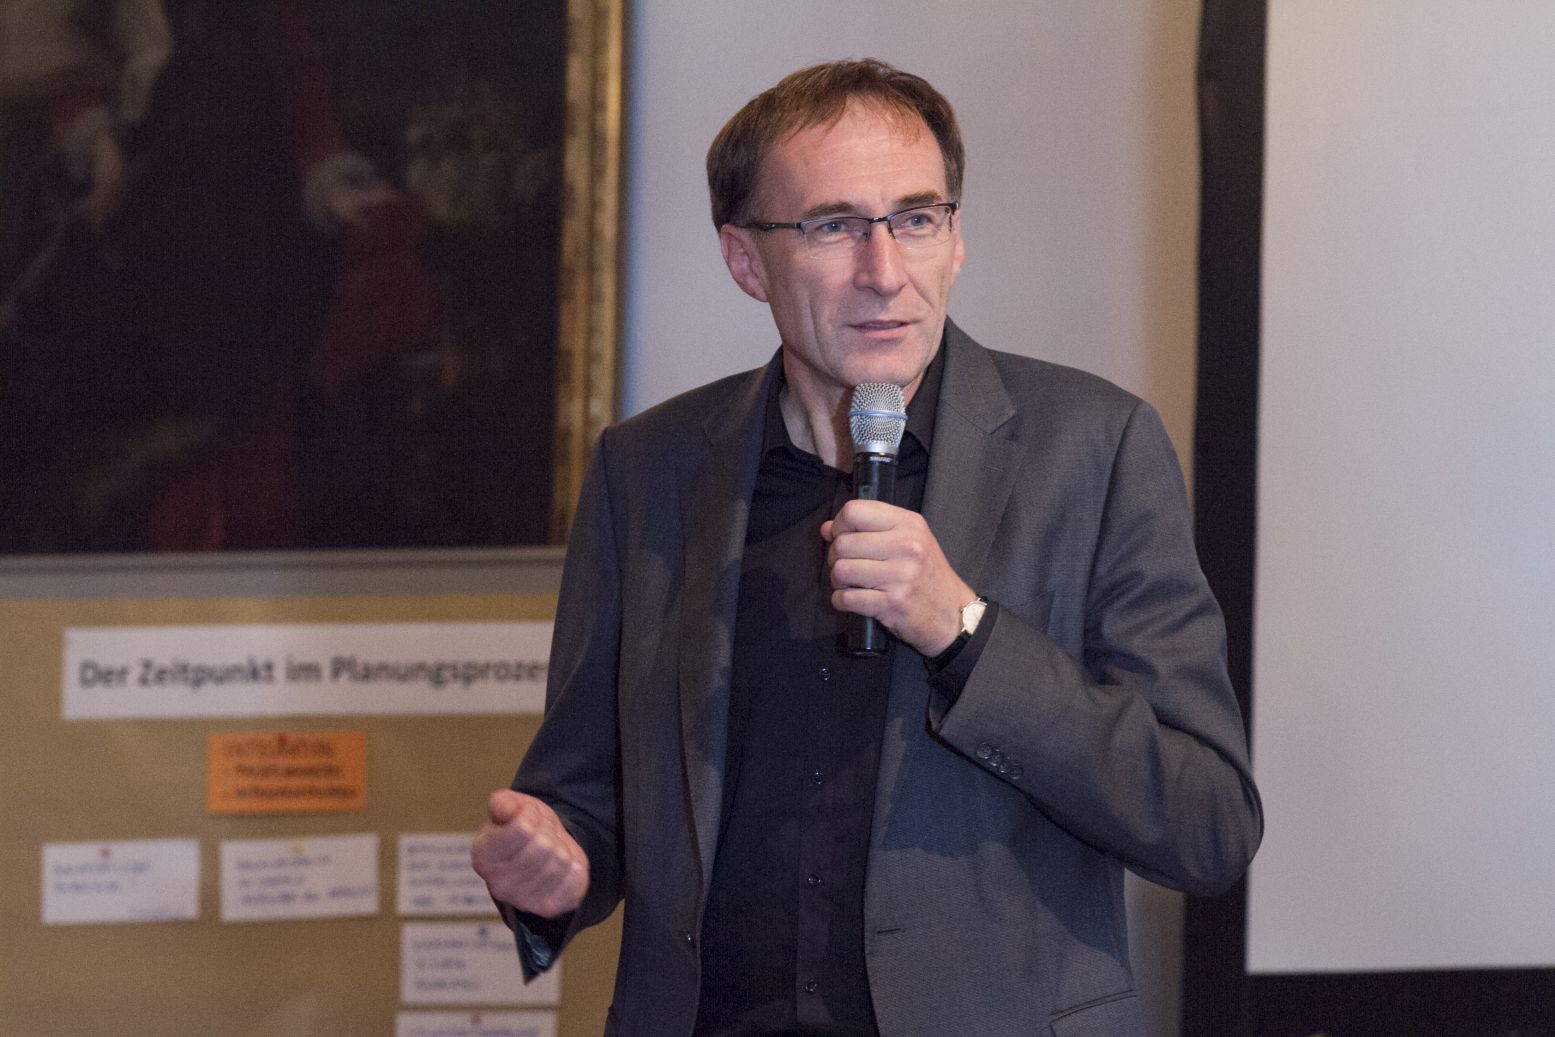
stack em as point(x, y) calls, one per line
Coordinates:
point(151, 880)
point(468, 963)
point(475, 1024)
point(435, 877)
point(327, 876)
point(297, 669)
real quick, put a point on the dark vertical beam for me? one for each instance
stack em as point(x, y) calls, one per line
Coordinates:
point(1231, 111)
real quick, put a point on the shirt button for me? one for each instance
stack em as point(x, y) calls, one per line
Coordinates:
point(809, 987)
point(690, 940)
point(825, 673)
point(813, 880)
point(817, 778)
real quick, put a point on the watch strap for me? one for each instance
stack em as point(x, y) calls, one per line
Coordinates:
point(940, 661)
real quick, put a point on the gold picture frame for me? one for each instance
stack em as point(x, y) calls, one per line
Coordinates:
point(588, 350)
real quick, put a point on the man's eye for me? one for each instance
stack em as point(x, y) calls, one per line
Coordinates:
point(912, 221)
point(833, 227)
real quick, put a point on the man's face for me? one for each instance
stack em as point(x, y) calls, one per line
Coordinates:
point(872, 316)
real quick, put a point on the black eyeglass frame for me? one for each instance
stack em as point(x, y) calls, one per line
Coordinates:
point(869, 221)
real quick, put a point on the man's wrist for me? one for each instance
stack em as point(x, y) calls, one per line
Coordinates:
point(971, 616)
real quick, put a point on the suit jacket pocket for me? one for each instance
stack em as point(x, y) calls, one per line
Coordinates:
point(1116, 1016)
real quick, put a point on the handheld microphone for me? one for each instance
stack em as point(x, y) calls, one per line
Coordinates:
point(877, 420)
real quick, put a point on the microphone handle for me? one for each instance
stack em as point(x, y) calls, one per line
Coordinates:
point(874, 478)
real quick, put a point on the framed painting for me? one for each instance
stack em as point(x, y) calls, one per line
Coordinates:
point(304, 274)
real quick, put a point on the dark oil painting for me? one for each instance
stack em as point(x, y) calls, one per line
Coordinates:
point(278, 274)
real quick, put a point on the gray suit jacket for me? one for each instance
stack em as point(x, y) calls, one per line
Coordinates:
point(1098, 730)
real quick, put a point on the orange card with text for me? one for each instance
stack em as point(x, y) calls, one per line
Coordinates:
point(286, 772)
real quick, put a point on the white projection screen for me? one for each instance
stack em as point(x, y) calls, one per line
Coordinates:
point(1404, 651)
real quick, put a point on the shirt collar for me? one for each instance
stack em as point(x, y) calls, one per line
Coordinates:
point(920, 409)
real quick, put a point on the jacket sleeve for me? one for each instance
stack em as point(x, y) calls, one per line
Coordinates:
point(1136, 747)
point(574, 762)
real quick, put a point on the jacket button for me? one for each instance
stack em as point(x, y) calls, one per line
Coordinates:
point(984, 750)
point(809, 987)
point(690, 940)
point(1016, 772)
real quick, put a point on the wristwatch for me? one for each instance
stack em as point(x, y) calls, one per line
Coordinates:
point(971, 615)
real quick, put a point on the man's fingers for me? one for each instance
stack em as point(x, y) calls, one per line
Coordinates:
point(864, 602)
point(867, 573)
point(558, 894)
point(884, 562)
point(527, 857)
point(863, 516)
point(502, 804)
point(515, 822)
point(546, 883)
point(514, 810)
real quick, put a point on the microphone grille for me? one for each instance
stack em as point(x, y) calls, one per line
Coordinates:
point(877, 418)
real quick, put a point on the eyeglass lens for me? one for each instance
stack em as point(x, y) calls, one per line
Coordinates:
point(920, 227)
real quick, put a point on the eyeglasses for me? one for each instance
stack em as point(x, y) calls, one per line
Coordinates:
point(922, 226)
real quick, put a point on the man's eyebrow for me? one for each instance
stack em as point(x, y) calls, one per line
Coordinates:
point(829, 209)
point(912, 201)
point(909, 201)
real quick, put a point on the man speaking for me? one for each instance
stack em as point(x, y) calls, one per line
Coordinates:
point(924, 840)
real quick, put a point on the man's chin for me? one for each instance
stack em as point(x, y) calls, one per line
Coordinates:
point(903, 366)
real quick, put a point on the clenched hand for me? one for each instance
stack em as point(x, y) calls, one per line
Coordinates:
point(885, 562)
point(528, 858)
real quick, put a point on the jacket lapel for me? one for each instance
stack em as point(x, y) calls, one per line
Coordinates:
point(716, 479)
point(971, 474)
point(971, 471)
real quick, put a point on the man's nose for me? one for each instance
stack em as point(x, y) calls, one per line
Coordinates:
point(880, 265)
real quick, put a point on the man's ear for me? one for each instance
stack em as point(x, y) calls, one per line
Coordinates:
point(743, 260)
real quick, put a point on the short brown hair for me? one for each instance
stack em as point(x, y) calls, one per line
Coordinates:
point(810, 97)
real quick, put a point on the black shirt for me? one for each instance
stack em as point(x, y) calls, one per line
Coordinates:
point(783, 933)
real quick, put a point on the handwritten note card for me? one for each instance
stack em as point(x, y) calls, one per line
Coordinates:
point(266, 880)
point(467, 963)
point(435, 877)
point(151, 880)
point(475, 1024)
